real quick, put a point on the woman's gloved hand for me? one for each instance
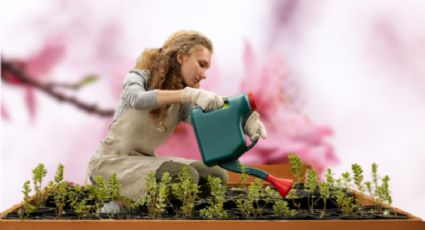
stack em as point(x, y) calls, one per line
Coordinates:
point(254, 128)
point(208, 101)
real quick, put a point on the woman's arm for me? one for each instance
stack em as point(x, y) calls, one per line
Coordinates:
point(137, 97)
point(168, 97)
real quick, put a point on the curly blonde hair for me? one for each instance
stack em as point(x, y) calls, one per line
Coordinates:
point(163, 65)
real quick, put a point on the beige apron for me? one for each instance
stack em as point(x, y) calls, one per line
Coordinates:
point(129, 149)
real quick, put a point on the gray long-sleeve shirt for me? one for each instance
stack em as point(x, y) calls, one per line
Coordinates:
point(129, 148)
point(137, 96)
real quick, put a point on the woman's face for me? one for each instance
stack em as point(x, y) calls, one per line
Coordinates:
point(194, 65)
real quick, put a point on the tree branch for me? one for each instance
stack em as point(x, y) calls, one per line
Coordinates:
point(49, 89)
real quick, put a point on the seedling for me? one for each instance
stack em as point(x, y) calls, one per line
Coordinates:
point(375, 175)
point(157, 194)
point(82, 209)
point(310, 187)
point(186, 191)
point(78, 201)
point(325, 194)
point(59, 173)
point(39, 173)
point(245, 205)
point(378, 193)
point(216, 200)
point(59, 189)
point(329, 176)
point(100, 192)
point(292, 195)
point(383, 190)
point(252, 200)
point(114, 187)
point(345, 181)
point(297, 167)
point(244, 176)
point(255, 194)
point(250, 195)
point(343, 200)
point(60, 197)
point(358, 176)
point(280, 206)
point(27, 208)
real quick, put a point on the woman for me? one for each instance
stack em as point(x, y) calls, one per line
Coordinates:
point(157, 94)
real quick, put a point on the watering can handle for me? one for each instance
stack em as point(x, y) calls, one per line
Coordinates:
point(253, 143)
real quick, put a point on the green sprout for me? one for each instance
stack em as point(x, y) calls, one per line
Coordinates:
point(59, 173)
point(186, 191)
point(375, 175)
point(216, 200)
point(114, 187)
point(293, 196)
point(310, 187)
point(157, 194)
point(27, 207)
point(344, 202)
point(82, 208)
point(345, 180)
point(60, 197)
point(79, 202)
point(244, 175)
point(251, 199)
point(248, 202)
point(330, 180)
point(358, 176)
point(58, 188)
point(381, 192)
point(245, 207)
point(255, 194)
point(39, 173)
point(280, 206)
point(325, 194)
point(378, 193)
point(297, 167)
point(384, 191)
point(100, 192)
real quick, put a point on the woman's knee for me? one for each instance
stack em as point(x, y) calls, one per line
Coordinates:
point(174, 169)
point(205, 171)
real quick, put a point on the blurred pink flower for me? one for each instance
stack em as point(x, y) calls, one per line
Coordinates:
point(4, 114)
point(38, 66)
point(288, 130)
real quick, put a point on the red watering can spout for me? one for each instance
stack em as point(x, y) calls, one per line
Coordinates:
point(252, 101)
point(282, 185)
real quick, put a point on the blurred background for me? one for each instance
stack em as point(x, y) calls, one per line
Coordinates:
point(338, 82)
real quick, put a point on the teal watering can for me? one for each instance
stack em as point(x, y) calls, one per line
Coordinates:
point(221, 139)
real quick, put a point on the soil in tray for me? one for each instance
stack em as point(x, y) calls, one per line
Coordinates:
point(264, 210)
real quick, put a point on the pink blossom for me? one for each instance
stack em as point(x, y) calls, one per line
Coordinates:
point(38, 66)
point(288, 130)
point(4, 113)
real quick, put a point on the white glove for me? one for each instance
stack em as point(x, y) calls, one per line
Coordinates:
point(208, 101)
point(254, 127)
